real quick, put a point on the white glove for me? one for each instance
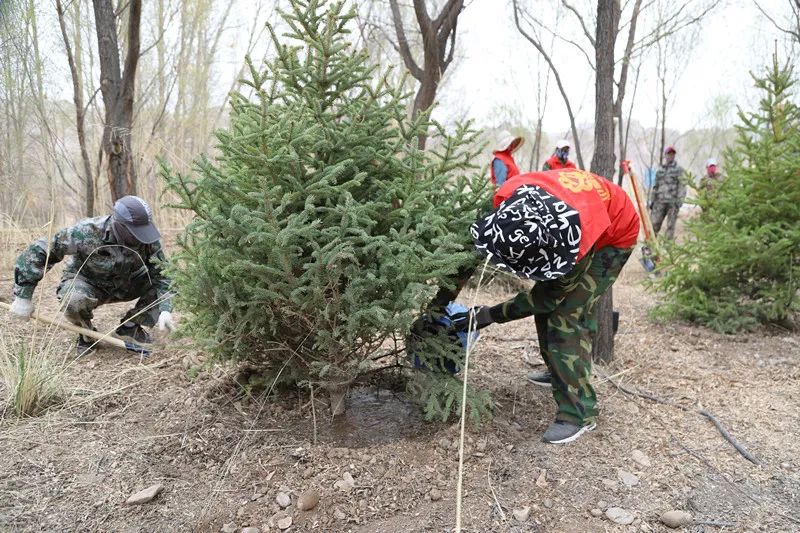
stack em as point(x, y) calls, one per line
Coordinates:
point(22, 308)
point(165, 323)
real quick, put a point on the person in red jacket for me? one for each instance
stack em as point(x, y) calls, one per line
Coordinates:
point(560, 157)
point(503, 165)
point(572, 232)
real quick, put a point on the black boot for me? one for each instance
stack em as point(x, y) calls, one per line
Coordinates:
point(135, 333)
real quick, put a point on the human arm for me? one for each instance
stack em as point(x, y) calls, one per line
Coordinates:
point(499, 171)
point(156, 261)
point(32, 264)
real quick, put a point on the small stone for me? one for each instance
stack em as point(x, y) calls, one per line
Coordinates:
point(609, 483)
point(628, 479)
point(521, 515)
point(308, 500)
point(145, 495)
point(285, 522)
point(618, 515)
point(308, 472)
point(230, 527)
point(283, 499)
point(250, 529)
point(346, 484)
point(509, 447)
point(435, 495)
point(596, 512)
point(548, 503)
point(640, 459)
point(338, 514)
point(676, 519)
point(602, 504)
point(444, 443)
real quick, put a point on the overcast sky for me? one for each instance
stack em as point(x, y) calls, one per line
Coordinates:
point(498, 68)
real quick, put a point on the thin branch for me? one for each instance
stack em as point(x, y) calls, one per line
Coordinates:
point(536, 44)
point(580, 19)
point(402, 42)
point(739, 448)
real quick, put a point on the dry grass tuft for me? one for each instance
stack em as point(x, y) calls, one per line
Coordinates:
point(31, 377)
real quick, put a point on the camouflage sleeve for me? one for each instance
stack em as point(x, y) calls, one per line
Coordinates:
point(29, 268)
point(155, 264)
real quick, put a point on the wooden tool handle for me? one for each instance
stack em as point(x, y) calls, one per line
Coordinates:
point(119, 343)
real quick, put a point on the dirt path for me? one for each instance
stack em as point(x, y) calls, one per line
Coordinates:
point(222, 459)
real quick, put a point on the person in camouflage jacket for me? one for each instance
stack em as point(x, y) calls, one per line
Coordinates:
point(668, 194)
point(114, 258)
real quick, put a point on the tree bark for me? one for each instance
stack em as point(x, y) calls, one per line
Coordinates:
point(603, 160)
point(118, 88)
point(80, 120)
point(437, 55)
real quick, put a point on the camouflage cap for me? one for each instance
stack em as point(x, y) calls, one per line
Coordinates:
point(137, 217)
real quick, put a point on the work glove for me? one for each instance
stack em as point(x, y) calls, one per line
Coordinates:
point(481, 319)
point(22, 308)
point(165, 323)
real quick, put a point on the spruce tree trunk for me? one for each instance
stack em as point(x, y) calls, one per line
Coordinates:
point(603, 159)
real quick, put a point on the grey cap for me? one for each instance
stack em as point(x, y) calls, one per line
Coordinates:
point(137, 217)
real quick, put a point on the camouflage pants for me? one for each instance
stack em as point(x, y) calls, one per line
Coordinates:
point(564, 311)
point(659, 212)
point(80, 298)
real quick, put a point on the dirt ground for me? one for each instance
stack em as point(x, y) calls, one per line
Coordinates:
point(223, 459)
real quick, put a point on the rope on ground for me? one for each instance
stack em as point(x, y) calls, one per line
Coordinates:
point(724, 432)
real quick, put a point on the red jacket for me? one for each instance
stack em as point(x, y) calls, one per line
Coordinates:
point(554, 163)
point(507, 159)
point(608, 216)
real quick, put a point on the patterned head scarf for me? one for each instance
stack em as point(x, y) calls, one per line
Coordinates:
point(532, 234)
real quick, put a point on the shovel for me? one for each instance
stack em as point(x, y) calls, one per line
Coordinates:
point(105, 339)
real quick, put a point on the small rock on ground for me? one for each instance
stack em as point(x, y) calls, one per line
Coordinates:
point(230, 527)
point(146, 495)
point(435, 495)
point(308, 500)
point(628, 479)
point(640, 458)
point(283, 499)
point(618, 515)
point(250, 529)
point(676, 519)
point(521, 515)
point(596, 512)
point(285, 522)
point(338, 514)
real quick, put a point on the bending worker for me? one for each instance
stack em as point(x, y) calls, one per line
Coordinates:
point(560, 157)
point(115, 258)
point(571, 231)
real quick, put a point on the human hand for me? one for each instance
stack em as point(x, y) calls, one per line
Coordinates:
point(481, 319)
point(165, 323)
point(21, 308)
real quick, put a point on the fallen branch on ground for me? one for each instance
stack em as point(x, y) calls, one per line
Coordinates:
point(724, 432)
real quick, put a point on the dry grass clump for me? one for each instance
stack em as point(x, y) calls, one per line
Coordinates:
point(31, 376)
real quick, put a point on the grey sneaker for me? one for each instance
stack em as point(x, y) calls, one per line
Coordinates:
point(561, 432)
point(543, 379)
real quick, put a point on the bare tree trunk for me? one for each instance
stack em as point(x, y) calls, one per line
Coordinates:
point(603, 158)
point(118, 89)
point(79, 113)
point(437, 56)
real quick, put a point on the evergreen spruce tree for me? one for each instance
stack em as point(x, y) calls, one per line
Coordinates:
point(740, 263)
point(320, 231)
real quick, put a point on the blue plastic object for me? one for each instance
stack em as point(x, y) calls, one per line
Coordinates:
point(453, 308)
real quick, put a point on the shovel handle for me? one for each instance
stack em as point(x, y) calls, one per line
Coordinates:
point(119, 343)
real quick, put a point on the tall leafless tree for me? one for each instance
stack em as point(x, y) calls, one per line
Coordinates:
point(438, 48)
point(118, 88)
point(80, 112)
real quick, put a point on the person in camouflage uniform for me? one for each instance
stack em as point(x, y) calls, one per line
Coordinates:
point(114, 258)
point(573, 234)
point(668, 194)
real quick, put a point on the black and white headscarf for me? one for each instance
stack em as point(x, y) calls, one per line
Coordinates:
point(532, 234)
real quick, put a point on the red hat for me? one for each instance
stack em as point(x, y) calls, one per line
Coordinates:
point(669, 149)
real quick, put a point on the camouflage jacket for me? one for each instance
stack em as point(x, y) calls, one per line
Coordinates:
point(96, 256)
point(670, 186)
